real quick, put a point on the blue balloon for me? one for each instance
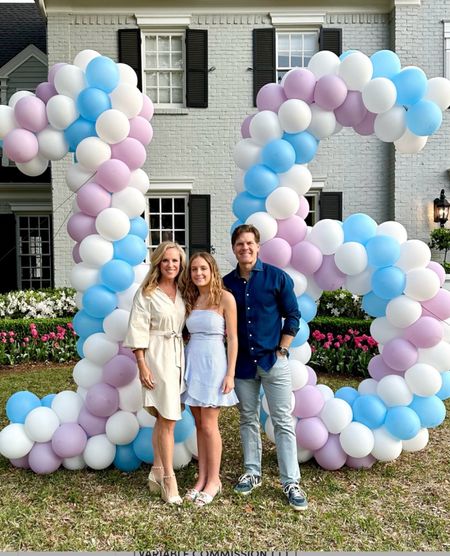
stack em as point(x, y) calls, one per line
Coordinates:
point(359, 228)
point(80, 343)
point(139, 227)
point(388, 282)
point(424, 117)
point(305, 146)
point(245, 204)
point(278, 155)
point(411, 84)
point(125, 459)
point(99, 301)
point(235, 224)
point(307, 307)
point(382, 251)
point(262, 417)
point(402, 422)
point(347, 393)
point(373, 305)
point(77, 131)
point(117, 275)
point(431, 410)
point(302, 335)
point(85, 325)
point(130, 249)
point(142, 445)
point(184, 427)
point(385, 64)
point(20, 404)
point(444, 392)
point(91, 102)
point(260, 181)
point(102, 73)
point(347, 53)
point(369, 410)
point(47, 400)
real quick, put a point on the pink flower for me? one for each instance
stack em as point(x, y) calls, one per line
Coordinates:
point(44, 337)
point(11, 333)
point(337, 344)
point(3, 340)
point(11, 340)
point(364, 348)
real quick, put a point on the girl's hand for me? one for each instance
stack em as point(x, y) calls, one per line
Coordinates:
point(228, 384)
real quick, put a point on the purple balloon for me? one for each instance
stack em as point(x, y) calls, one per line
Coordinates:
point(306, 257)
point(360, 463)
point(312, 376)
point(438, 306)
point(119, 371)
point(270, 97)
point(102, 400)
point(311, 433)
point(331, 456)
point(113, 175)
point(130, 151)
point(424, 333)
point(141, 129)
point(329, 277)
point(80, 225)
point(20, 145)
point(53, 71)
point(42, 458)
point(330, 92)
point(45, 91)
point(147, 108)
point(92, 424)
point(92, 198)
point(21, 463)
point(30, 113)
point(378, 369)
point(126, 351)
point(292, 229)
point(69, 440)
point(245, 126)
point(76, 253)
point(438, 269)
point(276, 252)
point(366, 125)
point(352, 111)
point(303, 209)
point(399, 354)
point(308, 401)
point(300, 83)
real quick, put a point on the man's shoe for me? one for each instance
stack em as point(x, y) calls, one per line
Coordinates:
point(247, 482)
point(296, 497)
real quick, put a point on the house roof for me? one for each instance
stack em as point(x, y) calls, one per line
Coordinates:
point(21, 24)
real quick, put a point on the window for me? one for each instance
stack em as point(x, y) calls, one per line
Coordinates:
point(34, 252)
point(167, 219)
point(294, 49)
point(164, 62)
point(313, 199)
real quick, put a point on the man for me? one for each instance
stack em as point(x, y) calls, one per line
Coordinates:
point(264, 295)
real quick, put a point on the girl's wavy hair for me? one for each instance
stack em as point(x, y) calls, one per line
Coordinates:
point(190, 290)
point(154, 274)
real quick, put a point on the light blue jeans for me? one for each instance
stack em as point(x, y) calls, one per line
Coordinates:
point(277, 386)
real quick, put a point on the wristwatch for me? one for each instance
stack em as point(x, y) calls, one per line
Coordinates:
point(283, 351)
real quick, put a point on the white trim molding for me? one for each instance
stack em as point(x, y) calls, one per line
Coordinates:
point(406, 3)
point(170, 185)
point(30, 51)
point(446, 48)
point(297, 19)
point(163, 20)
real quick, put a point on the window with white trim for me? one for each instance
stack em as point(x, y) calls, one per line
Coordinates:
point(294, 48)
point(167, 218)
point(313, 200)
point(35, 268)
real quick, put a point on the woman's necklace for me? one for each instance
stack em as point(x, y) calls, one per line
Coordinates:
point(202, 302)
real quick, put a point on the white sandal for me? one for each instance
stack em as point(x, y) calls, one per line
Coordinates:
point(153, 484)
point(191, 495)
point(203, 498)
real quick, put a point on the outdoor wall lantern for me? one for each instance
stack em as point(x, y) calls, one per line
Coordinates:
point(441, 208)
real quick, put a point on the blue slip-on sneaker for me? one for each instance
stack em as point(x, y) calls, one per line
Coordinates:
point(247, 482)
point(296, 497)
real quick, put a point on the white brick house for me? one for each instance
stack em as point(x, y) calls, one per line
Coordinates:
point(190, 158)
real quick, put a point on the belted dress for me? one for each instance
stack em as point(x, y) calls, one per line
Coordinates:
point(155, 325)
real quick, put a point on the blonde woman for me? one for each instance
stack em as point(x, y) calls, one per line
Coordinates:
point(210, 368)
point(155, 336)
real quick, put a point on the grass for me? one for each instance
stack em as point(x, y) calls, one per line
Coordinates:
point(398, 506)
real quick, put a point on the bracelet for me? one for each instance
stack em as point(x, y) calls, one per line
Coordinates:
point(140, 358)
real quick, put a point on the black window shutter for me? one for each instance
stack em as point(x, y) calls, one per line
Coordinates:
point(197, 68)
point(331, 205)
point(331, 39)
point(130, 51)
point(263, 58)
point(199, 223)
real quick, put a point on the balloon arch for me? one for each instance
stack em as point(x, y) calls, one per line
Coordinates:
point(94, 109)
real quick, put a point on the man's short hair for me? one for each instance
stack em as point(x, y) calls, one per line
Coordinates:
point(244, 229)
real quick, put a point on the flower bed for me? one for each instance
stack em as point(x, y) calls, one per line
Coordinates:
point(37, 304)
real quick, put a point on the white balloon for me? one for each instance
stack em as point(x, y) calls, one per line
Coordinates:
point(127, 74)
point(130, 396)
point(112, 223)
point(323, 63)
point(386, 447)
point(34, 167)
point(351, 258)
point(367, 386)
point(74, 463)
point(70, 80)
point(145, 419)
point(298, 178)
point(83, 276)
point(402, 311)
point(61, 111)
point(294, 115)
point(422, 284)
point(423, 380)
point(191, 443)
point(96, 251)
point(299, 279)
point(41, 423)
point(115, 324)
point(326, 391)
point(327, 235)
point(67, 406)
point(246, 153)
point(382, 330)
point(92, 152)
point(323, 122)
point(393, 390)
point(409, 143)
point(357, 440)
point(282, 203)
point(392, 229)
point(336, 414)
point(413, 254)
point(264, 127)
point(15, 97)
point(391, 125)
point(140, 272)
point(303, 454)
point(122, 428)
point(360, 284)
point(99, 452)
point(129, 200)
point(127, 99)
point(83, 58)
point(269, 430)
point(266, 224)
point(82, 392)
point(379, 95)
point(299, 374)
point(437, 356)
point(418, 442)
point(139, 180)
point(86, 373)
point(14, 441)
point(112, 126)
point(77, 176)
point(7, 120)
point(52, 144)
point(125, 298)
point(439, 92)
point(181, 455)
point(312, 289)
point(99, 349)
point(356, 70)
point(446, 329)
point(301, 353)
point(264, 404)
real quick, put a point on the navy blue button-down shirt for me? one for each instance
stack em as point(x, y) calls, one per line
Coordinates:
point(262, 301)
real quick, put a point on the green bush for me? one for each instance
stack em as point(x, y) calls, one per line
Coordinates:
point(340, 303)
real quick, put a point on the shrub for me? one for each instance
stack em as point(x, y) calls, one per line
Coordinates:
point(37, 304)
point(340, 303)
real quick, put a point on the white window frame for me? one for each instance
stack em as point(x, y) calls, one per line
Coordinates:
point(447, 48)
point(290, 32)
point(315, 191)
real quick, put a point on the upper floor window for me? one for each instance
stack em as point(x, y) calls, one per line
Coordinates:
point(294, 49)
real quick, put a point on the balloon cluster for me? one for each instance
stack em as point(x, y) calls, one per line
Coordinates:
point(93, 109)
point(393, 410)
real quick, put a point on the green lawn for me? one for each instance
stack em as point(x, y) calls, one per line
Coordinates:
point(399, 506)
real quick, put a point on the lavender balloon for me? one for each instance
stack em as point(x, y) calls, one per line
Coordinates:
point(276, 252)
point(311, 433)
point(331, 456)
point(360, 463)
point(69, 440)
point(308, 402)
point(42, 458)
point(300, 83)
point(80, 225)
point(102, 400)
point(119, 371)
point(130, 151)
point(352, 111)
point(91, 424)
point(425, 332)
point(399, 354)
point(270, 97)
point(330, 92)
point(328, 276)
point(292, 229)
point(306, 257)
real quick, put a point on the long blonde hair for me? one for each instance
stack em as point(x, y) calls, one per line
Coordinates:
point(151, 281)
point(189, 289)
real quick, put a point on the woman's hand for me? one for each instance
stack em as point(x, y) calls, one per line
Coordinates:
point(146, 376)
point(228, 384)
